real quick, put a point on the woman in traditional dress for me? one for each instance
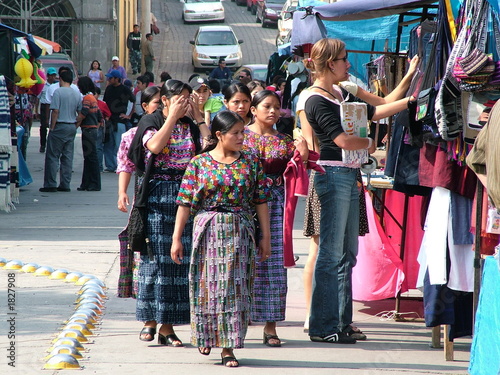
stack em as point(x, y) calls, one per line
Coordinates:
point(275, 150)
point(222, 186)
point(174, 139)
point(237, 98)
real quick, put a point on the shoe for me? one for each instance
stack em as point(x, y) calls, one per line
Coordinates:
point(92, 189)
point(227, 359)
point(48, 189)
point(147, 331)
point(42, 149)
point(354, 332)
point(268, 337)
point(336, 338)
point(66, 190)
point(202, 352)
point(109, 171)
point(81, 189)
point(169, 340)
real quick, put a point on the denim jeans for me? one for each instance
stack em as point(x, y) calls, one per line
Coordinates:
point(331, 304)
point(111, 147)
point(100, 146)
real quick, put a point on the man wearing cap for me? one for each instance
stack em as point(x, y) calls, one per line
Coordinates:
point(115, 65)
point(134, 49)
point(52, 88)
point(117, 96)
point(45, 107)
point(222, 71)
point(202, 97)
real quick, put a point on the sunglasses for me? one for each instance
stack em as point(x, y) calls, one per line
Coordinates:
point(342, 58)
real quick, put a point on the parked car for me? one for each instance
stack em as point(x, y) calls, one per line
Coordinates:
point(258, 71)
point(268, 11)
point(202, 10)
point(214, 42)
point(285, 20)
point(49, 62)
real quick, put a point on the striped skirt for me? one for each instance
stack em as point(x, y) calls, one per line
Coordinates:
point(163, 293)
point(270, 286)
point(220, 279)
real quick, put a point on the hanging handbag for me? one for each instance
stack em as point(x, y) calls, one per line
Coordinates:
point(137, 227)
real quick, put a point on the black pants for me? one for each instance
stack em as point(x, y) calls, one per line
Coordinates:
point(44, 123)
point(91, 177)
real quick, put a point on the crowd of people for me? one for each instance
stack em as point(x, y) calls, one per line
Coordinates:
point(209, 158)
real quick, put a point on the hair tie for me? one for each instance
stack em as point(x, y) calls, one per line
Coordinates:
point(309, 59)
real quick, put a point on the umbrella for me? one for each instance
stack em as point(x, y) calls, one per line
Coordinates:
point(46, 45)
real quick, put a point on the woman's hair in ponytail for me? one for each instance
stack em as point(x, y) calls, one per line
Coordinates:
point(323, 51)
point(223, 122)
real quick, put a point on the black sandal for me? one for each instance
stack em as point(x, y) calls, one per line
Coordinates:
point(169, 340)
point(147, 331)
point(204, 348)
point(268, 337)
point(227, 359)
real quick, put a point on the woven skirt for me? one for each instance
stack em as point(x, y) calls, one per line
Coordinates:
point(221, 278)
point(270, 286)
point(163, 293)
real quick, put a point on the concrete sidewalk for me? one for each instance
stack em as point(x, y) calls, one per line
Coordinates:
point(77, 231)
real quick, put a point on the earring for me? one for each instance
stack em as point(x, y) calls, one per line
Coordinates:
point(333, 70)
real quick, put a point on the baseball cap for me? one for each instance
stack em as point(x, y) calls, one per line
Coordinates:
point(127, 83)
point(197, 82)
point(51, 71)
point(114, 74)
point(115, 58)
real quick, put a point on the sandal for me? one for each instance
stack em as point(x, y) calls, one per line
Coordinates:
point(151, 331)
point(268, 337)
point(203, 352)
point(227, 359)
point(336, 338)
point(169, 340)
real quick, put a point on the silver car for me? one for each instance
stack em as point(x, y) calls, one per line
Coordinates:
point(202, 10)
point(214, 42)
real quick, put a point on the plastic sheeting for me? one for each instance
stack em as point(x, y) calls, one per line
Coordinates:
point(379, 270)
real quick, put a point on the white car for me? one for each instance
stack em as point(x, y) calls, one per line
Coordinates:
point(214, 42)
point(202, 10)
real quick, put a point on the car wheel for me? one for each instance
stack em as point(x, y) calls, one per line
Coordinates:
point(253, 9)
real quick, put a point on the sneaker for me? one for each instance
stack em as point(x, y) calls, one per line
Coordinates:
point(354, 332)
point(48, 189)
point(335, 338)
point(63, 189)
point(42, 149)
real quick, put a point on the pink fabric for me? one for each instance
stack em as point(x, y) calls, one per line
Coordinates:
point(296, 184)
point(378, 273)
point(394, 202)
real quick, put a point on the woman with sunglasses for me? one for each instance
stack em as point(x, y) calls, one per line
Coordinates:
point(173, 139)
point(337, 189)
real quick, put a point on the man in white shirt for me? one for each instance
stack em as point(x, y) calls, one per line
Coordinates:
point(45, 107)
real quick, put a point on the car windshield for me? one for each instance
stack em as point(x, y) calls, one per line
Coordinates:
point(201, 1)
point(216, 38)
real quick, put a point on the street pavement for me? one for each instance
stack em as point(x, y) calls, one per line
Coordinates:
point(77, 232)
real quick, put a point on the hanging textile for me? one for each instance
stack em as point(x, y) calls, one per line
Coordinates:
point(5, 148)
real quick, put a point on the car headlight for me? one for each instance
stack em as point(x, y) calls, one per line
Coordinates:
point(271, 11)
point(233, 55)
point(202, 56)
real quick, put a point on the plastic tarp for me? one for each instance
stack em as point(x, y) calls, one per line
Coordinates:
point(351, 10)
point(34, 49)
point(376, 253)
